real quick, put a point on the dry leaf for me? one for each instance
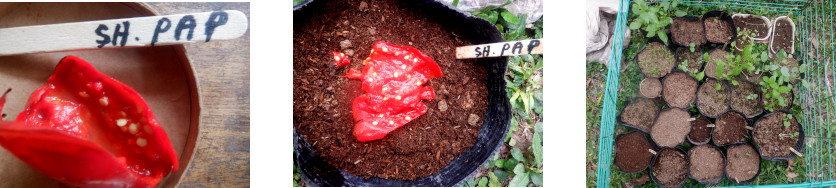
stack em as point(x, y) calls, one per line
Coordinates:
point(791, 175)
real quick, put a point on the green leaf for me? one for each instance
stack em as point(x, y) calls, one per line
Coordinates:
point(483, 181)
point(297, 2)
point(662, 36)
point(734, 82)
point(536, 178)
point(492, 17)
point(680, 13)
point(295, 184)
point(470, 183)
point(537, 148)
point(510, 164)
point(494, 181)
point(785, 71)
point(517, 154)
point(500, 163)
point(509, 17)
point(635, 25)
point(519, 168)
point(519, 180)
point(501, 175)
point(527, 58)
point(700, 76)
point(455, 3)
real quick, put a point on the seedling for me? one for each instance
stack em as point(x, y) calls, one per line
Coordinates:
point(752, 96)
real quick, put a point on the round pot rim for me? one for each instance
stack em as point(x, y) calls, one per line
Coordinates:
point(799, 146)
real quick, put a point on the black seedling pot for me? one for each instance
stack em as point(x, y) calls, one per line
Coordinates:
point(798, 146)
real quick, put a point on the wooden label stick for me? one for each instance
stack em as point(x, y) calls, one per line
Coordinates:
point(710, 125)
point(692, 119)
point(127, 32)
point(522, 47)
point(750, 128)
point(796, 152)
point(651, 151)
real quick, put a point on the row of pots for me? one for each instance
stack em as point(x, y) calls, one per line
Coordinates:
point(678, 29)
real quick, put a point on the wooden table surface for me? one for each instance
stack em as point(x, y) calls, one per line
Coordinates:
point(222, 158)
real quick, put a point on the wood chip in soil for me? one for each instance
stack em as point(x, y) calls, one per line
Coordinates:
point(680, 89)
point(710, 101)
point(706, 164)
point(655, 60)
point(640, 113)
point(711, 66)
point(782, 36)
point(685, 32)
point(631, 152)
point(670, 167)
point(773, 138)
point(700, 132)
point(671, 127)
point(743, 163)
point(756, 26)
point(744, 98)
point(693, 60)
point(650, 87)
point(717, 30)
point(730, 129)
point(322, 98)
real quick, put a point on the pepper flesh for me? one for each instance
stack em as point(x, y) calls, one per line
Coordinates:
point(393, 79)
point(86, 129)
point(340, 60)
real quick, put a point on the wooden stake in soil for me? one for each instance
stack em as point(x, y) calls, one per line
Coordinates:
point(710, 125)
point(796, 152)
point(651, 151)
point(511, 48)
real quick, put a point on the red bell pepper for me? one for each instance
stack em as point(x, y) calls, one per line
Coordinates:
point(392, 79)
point(340, 59)
point(86, 129)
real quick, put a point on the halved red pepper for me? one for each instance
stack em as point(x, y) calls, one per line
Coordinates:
point(86, 129)
point(392, 79)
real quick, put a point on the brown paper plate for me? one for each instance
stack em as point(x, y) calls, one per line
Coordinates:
point(162, 75)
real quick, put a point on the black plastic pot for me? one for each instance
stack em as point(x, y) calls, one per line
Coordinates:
point(649, 142)
point(652, 40)
point(687, 169)
point(760, 100)
point(711, 129)
point(715, 180)
point(748, 132)
point(723, 16)
point(316, 172)
point(727, 164)
point(694, 101)
point(799, 146)
point(657, 119)
point(618, 118)
point(689, 18)
point(688, 48)
point(722, 82)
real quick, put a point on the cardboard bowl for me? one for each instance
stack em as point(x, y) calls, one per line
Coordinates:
point(162, 75)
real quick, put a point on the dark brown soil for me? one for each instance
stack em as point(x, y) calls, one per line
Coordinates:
point(670, 168)
point(743, 163)
point(717, 30)
point(750, 107)
point(787, 98)
point(754, 24)
point(774, 138)
point(711, 66)
point(706, 164)
point(740, 42)
point(693, 59)
point(685, 32)
point(671, 128)
point(655, 60)
point(710, 101)
point(700, 132)
point(632, 152)
point(730, 129)
point(323, 99)
point(640, 113)
point(680, 89)
point(782, 36)
point(650, 87)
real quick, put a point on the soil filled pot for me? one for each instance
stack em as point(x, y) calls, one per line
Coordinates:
point(669, 168)
point(632, 152)
point(743, 163)
point(650, 87)
point(783, 35)
point(744, 98)
point(730, 128)
point(442, 147)
point(639, 113)
point(758, 27)
point(693, 61)
point(788, 100)
point(712, 100)
point(719, 27)
point(687, 30)
point(776, 134)
point(671, 127)
point(700, 131)
point(679, 89)
point(655, 60)
point(711, 66)
point(706, 164)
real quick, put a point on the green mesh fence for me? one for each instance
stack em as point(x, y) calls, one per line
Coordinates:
point(815, 46)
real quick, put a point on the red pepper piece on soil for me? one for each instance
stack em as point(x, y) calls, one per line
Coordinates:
point(393, 79)
point(340, 60)
point(86, 129)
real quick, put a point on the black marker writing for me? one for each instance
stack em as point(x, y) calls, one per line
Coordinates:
point(505, 46)
point(532, 44)
point(211, 24)
point(517, 47)
point(187, 22)
point(105, 38)
point(160, 29)
point(123, 34)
